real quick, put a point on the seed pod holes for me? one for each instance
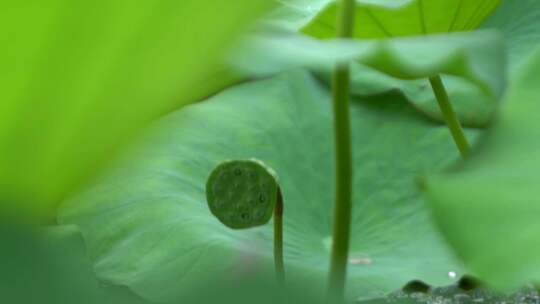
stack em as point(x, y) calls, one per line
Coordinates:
point(237, 199)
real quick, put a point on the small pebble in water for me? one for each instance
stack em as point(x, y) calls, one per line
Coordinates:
point(453, 294)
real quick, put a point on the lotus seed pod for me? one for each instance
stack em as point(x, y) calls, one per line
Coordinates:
point(242, 193)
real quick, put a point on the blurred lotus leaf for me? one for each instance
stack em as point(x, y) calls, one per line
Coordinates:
point(147, 224)
point(79, 77)
point(488, 206)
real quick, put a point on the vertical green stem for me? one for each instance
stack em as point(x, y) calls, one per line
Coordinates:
point(449, 114)
point(278, 239)
point(342, 135)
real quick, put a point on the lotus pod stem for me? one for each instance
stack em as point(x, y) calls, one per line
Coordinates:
point(450, 117)
point(243, 194)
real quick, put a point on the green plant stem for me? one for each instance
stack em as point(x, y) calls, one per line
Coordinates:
point(344, 172)
point(278, 239)
point(449, 114)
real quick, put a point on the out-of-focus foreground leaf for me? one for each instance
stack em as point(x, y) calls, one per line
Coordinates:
point(51, 266)
point(474, 63)
point(488, 206)
point(78, 77)
point(476, 57)
point(147, 224)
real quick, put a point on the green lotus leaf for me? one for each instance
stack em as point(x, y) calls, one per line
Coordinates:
point(516, 20)
point(292, 15)
point(79, 77)
point(148, 226)
point(488, 206)
point(398, 18)
point(473, 63)
point(519, 22)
